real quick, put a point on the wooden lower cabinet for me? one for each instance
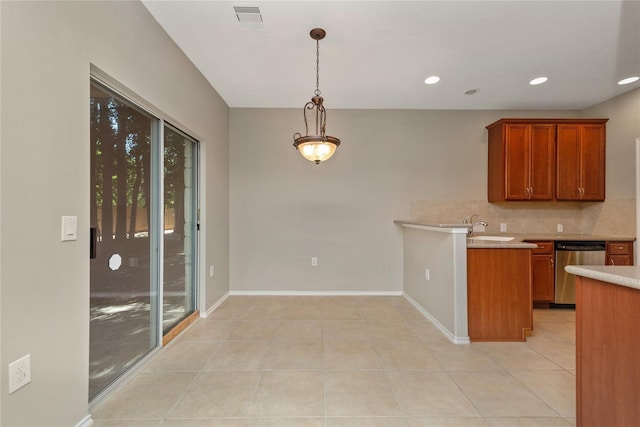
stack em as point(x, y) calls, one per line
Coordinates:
point(543, 273)
point(499, 300)
point(607, 354)
point(619, 253)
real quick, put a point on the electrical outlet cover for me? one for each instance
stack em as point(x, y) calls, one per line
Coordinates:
point(19, 373)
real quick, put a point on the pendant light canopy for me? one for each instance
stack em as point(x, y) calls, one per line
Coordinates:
point(319, 147)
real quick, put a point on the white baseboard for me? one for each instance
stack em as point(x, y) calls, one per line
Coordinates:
point(214, 306)
point(316, 293)
point(451, 337)
point(87, 421)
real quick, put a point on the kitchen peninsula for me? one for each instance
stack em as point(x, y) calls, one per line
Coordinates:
point(435, 274)
point(607, 351)
point(454, 281)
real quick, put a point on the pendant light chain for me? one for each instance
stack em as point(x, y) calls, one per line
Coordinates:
point(317, 92)
point(317, 147)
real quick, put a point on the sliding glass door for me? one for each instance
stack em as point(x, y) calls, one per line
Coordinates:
point(180, 227)
point(143, 234)
point(123, 296)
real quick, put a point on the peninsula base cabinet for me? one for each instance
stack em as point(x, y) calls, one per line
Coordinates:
point(499, 294)
point(607, 354)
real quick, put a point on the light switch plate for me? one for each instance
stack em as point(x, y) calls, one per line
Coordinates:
point(69, 228)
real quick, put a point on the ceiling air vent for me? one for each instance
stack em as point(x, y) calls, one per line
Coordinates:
point(249, 17)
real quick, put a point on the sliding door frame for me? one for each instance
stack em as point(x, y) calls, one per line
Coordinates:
point(157, 221)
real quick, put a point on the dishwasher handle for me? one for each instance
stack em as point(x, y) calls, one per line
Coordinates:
point(571, 246)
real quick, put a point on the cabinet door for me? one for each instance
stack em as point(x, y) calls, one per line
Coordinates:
point(542, 287)
point(592, 161)
point(568, 163)
point(517, 161)
point(529, 161)
point(542, 161)
point(618, 260)
point(580, 172)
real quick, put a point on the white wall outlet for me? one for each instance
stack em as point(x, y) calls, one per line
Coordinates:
point(314, 261)
point(560, 228)
point(427, 274)
point(212, 270)
point(503, 227)
point(19, 373)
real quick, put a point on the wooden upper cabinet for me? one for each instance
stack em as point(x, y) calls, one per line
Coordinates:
point(521, 161)
point(546, 160)
point(581, 162)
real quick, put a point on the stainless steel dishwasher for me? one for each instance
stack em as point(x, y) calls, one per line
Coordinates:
point(574, 253)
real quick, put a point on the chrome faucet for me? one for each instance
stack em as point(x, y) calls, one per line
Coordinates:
point(469, 220)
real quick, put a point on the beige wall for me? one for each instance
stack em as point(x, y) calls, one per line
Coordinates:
point(47, 49)
point(623, 128)
point(284, 209)
point(392, 164)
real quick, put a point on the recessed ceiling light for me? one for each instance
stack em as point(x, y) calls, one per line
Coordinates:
point(432, 80)
point(471, 91)
point(538, 81)
point(629, 80)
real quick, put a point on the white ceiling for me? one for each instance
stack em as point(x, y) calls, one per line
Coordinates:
point(378, 53)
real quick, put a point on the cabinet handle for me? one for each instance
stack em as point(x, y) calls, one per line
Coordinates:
point(612, 263)
point(551, 261)
point(620, 247)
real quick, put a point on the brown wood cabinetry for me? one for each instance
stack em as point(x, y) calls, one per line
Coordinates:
point(607, 354)
point(581, 161)
point(543, 273)
point(619, 253)
point(546, 160)
point(499, 294)
point(521, 161)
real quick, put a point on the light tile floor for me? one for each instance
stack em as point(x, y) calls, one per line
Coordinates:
point(347, 361)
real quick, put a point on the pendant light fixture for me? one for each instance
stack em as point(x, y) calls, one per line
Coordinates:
point(319, 147)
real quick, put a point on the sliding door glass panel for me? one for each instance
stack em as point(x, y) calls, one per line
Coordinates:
point(180, 222)
point(123, 305)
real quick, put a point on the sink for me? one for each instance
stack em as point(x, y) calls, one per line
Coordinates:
point(493, 238)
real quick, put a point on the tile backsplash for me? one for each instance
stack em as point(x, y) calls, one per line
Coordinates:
point(611, 218)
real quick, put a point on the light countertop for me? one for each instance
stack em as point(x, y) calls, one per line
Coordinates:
point(628, 276)
point(516, 243)
point(567, 236)
point(519, 238)
point(432, 224)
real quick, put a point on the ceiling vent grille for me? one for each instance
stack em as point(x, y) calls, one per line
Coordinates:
point(249, 17)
